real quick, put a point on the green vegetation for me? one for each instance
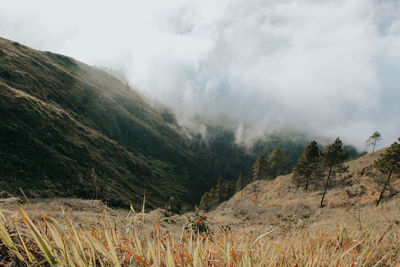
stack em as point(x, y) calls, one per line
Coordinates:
point(241, 182)
point(306, 169)
point(68, 129)
point(276, 160)
point(291, 143)
point(333, 158)
point(373, 140)
point(168, 117)
point(268, 168)
point(218, 194)
point(388, 165)
point(260, 168)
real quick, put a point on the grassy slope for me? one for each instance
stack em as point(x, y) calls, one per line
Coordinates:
point(66, 127)
point(284, 227)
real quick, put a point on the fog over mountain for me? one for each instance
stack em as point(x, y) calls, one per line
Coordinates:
point(329, 68)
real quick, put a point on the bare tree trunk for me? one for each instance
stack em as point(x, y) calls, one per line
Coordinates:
point(326, 185)
point(384, 188)
point(373, 149)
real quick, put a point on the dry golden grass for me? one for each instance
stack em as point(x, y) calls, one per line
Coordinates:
point(280, 200)
point(366, 237)
point(275, 225)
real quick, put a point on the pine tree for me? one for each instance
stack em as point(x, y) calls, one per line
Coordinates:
point(307, 166)
point(220, 188)
point(241, 182)
point(388, 164)
point(276, 159)
point(260, 168)
point(222, 191)
point(373, 140)
point(333, 158)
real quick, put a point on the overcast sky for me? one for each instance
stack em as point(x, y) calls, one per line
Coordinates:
point(331, 67)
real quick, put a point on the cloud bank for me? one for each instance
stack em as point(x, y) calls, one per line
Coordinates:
point(330, 68)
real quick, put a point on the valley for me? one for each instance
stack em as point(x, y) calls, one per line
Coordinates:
point(71, 130)
point(93, 173)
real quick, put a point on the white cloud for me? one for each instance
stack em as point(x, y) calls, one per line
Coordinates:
point(327, 67)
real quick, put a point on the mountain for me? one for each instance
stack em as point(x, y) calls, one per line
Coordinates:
point(68, 129)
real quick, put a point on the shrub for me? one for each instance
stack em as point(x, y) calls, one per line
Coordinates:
point(198, 222)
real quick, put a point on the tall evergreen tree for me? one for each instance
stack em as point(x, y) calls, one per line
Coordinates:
point(223, 191)
point(373, 140)
point(276, 159)
point(260, 168)
point(220, 188)
point(388, 164)
point(307, 166)
point(241, 182)
point(333, 158)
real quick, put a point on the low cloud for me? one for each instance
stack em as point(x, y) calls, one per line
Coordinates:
point(329, 68)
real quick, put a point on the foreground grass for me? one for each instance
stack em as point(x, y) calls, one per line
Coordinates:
point(130, 241)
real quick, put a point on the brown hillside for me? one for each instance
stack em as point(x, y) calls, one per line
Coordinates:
point(279, 201)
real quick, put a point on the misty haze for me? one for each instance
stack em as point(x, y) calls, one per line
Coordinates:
point(199, 133)
point(326, 68)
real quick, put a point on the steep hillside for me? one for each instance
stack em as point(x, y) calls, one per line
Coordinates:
point(69, 129)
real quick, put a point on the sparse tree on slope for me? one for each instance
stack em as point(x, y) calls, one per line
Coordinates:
point(374, 139)
point(222, 191)
point(220, 188)
point(241, 182)
point(333, 158)
point(388, 164)
point(307, 166)
point(276, 159)
point(260, 168)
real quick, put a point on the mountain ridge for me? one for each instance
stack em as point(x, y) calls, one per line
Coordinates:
point(71, 130)
point(45, 84)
